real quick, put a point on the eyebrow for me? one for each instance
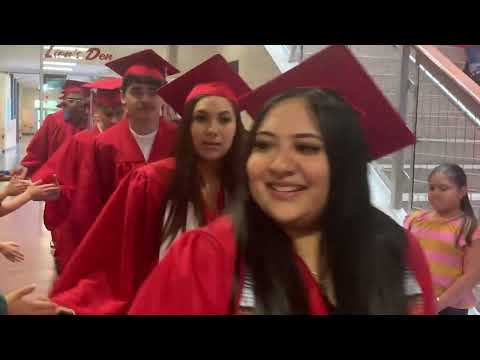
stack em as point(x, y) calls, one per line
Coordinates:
point(147, 87)
point(296, 136)
point(225, 112)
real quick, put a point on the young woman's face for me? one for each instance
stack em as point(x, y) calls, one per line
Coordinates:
point(213, 127)
point(288, 169)
point(443, 194)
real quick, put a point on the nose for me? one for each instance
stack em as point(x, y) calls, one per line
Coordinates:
point(282, 164)
point(212, 128)
point(144, 97)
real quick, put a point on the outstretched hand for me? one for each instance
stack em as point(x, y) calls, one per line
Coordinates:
point(11, 251)
point(17, 304)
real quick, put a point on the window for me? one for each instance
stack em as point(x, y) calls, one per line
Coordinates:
point(14, 98)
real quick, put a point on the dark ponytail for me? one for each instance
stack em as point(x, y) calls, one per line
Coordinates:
point(456, 175)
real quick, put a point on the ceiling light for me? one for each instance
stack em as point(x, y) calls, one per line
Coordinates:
point(59, 63)
point(56, 68)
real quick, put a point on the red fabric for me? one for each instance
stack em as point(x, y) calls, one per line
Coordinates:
point(93, 167)
point(144, 71)
point(337, 69)
point(74, 90)
point(195, 276)
point(121, 248)
point(117, 153)
point(212, 77)
point(108, 83)
point(108, 98)
point(48, 139)
point(70, 84)
point(69, 217)
point(143, 63)
point(213, 89)
point(73, 87)
point(108, 91)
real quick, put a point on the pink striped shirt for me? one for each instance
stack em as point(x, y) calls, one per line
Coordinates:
point(437, 238)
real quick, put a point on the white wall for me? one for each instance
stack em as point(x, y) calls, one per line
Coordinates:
point(7, 126)
point(256, 65)
point(27, 110)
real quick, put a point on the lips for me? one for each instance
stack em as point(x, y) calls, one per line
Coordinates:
point(285, 191)
point(211, 144)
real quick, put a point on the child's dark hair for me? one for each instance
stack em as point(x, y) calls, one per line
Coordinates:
point(457, 176)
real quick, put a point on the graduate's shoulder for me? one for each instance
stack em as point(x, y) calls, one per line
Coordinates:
point(218, 236)
point(54, 118)
point(168, 126)
point(86, 136)
point(113, 134)
point(162, 170)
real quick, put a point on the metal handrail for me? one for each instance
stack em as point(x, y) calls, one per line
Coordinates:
point(450, 75)
point(453, 85)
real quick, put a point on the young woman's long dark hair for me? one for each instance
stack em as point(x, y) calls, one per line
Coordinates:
point(185, 186)
point(457, 176)
point(364, 249)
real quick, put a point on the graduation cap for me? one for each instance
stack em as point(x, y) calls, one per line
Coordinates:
point(108, 98)
point(336, 68)
point(214, 76)
point(108, 83)
point(108, 91)
point(73, 86)
point(145, 63)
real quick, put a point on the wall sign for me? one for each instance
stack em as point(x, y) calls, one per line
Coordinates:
point(90, 54)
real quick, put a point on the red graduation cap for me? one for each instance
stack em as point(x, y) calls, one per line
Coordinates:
point(108, 91)
point(336, 68)
point(108, 98)
point(143, 63)
point(108, 83)
point(73, 86)
point(212, 77)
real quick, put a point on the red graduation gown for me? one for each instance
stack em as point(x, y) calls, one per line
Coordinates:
point(106, 160)
point(69, 217)
point(117, 153)
point(122, 246)
point(47, 140)
point(195, 276)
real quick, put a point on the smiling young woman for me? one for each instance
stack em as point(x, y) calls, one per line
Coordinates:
point(303, 237)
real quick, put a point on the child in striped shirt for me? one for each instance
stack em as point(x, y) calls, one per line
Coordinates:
point(450, 237)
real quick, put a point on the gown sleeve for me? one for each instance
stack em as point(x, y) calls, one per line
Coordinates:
point(37, 149)
point(117, 253)
point(194, 277)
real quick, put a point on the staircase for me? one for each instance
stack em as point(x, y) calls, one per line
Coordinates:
point(444, 132)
